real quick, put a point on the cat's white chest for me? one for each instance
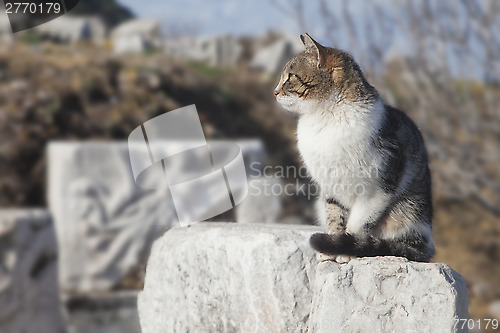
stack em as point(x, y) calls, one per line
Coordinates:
point(338, 154)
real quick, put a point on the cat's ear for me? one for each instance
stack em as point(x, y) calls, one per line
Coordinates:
point(313, 47)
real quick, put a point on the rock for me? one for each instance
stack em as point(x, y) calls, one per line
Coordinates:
point(387, 294)
point(214, 277)
point(104, 221)
point(114, 312)
point(266, 278)
point(29, 299)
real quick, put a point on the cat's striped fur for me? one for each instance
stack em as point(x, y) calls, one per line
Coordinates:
point(368, 158)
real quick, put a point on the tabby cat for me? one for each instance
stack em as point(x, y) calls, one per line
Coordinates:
point(368, 159)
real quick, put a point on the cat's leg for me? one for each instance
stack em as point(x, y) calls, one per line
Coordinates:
point(331, 215)
point(334, 218)
point(367, 210)
point(409, 222)
point(320, 209)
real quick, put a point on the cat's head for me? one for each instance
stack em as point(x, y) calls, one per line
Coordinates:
point(322, 77)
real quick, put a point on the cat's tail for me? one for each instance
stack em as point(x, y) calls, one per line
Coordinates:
point(369, 246)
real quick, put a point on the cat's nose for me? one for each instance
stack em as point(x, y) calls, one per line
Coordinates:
point(276, 92)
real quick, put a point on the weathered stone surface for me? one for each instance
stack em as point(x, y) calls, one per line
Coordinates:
point(114, 312)
point(222, 277)
point(105, 222)
point(29, 299)
point(387, 294)
point(214, 277)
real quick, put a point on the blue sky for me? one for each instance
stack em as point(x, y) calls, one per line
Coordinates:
point(244, 17)
point(240, 17)
point(215, 17)
point(255, 17)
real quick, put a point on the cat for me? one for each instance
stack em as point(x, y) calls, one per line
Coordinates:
point(368, 159)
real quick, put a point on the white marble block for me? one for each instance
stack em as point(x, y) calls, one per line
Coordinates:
point(29, 298)
point(224, 277)
point(227, 277)
point(105, 223)
point(387, 294)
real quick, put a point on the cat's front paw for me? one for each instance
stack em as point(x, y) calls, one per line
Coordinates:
point(344, 259)
point(324, 257)
point(341, 259)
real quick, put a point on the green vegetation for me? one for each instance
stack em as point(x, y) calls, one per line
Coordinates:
point(209, 72)
point(31, 37)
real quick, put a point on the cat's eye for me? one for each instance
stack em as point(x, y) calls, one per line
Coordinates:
point(290, 75)
point(287, 79)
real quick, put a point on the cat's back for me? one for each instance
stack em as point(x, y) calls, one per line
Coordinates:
point(400, 143)
point(399, 128)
